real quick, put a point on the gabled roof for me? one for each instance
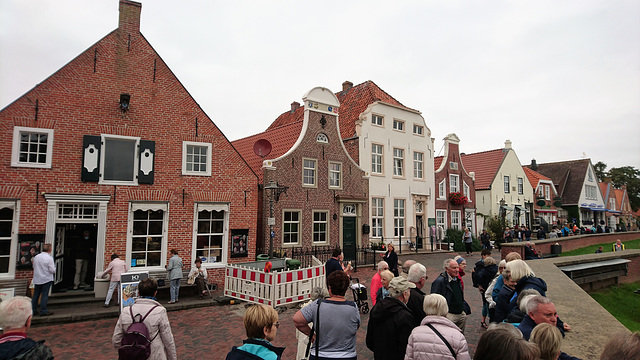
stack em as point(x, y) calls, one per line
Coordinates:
point(604, 189)
point(281, 139)
point(485, 164)
point(619, 195)
point(568, 177)
point(353, 102)
point(534, 177)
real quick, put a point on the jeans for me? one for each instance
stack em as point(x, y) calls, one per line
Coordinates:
point(41, 290)
point(112, 287)
point(174, 289)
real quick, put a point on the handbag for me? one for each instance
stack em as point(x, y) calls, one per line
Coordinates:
point(314, 328)
point(453, 353)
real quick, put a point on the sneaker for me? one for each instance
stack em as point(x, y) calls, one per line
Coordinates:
point(47, 314)
point(171, 302)
point(75, 287)
point(105, 305)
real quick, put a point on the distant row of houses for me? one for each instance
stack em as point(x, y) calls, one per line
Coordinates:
point(114, 144)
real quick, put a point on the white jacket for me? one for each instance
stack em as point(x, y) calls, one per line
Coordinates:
point(162, 347)
point(424, 344)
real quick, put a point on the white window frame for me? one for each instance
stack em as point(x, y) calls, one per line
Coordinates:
point(398, 162)
point(320, 222)
point(418, 165)
point(185, 148)
point(591, 192)
point(547, 192)
point(377, 159)
point(418, 130)
point(455, 219)
point(466, 190)
point(377, 217)
point(442, 189)
point(399, 211)
point(612, 204)
point(332, 171)
point(199, 207)
point(520, 186)
point(297, 233)
point(136, 164)
point(314, 169)
point(13, 238)
point(454, 183)
point(165, 225)
point(441, 218)
point(377, 120)
point(398, 125)
point(15, 154)
point(507, 184)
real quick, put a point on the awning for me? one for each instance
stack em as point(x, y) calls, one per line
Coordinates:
point(614, 211)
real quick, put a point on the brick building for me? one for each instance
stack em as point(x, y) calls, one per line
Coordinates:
point(451, 177)
point(546, 210)
point(113, 144)
point(326, 200)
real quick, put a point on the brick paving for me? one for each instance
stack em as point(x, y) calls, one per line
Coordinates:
point(210, 332)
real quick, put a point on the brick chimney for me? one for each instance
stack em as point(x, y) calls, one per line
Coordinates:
point(347, 85)
point(534, 165)
point(294, 106)
point(129, 21)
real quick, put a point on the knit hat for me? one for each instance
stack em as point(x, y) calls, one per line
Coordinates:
point(398, 285)
point(460, 260)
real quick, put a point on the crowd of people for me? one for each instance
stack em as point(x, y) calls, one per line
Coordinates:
point(405, 322)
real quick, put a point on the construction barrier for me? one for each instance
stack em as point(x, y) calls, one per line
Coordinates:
point(273, 289)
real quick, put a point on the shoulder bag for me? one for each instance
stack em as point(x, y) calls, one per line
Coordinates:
point(453, 353)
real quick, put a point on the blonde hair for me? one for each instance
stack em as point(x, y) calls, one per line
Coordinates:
point(512, 256)
point(622, 346)
point(257, 318)
point(435, 304)
point(489, 261)
point(549, 340)
point(387, 275)
point(519, 269)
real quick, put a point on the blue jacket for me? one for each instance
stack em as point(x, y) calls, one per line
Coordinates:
point(25, 349)
point(527, 325)
point(257, 349)
point(532, 282)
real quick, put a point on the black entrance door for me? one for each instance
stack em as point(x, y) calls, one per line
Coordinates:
point(419, 231)
point(349, 238)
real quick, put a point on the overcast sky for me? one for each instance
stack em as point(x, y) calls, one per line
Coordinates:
point(561, 79)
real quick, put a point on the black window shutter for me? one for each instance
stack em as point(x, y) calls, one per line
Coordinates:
point(146, 160)
point(91, 145)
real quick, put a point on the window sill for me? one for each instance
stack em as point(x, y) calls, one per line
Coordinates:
point(185, 173)
point(29, 165)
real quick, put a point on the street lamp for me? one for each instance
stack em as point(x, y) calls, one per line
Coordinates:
point(275, 191)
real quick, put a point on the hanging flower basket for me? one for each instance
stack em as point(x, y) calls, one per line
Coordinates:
point(458, 198)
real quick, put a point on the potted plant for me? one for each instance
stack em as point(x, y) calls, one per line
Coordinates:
point(457, 198)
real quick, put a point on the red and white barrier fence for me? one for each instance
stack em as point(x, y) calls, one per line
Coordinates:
point(274, 289)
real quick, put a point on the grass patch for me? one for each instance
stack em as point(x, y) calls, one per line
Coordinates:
point(622, 303)
point(607, 247)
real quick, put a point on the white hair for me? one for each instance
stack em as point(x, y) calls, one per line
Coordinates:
point(535, 301)
point(435, 304)
point(15, 312)
point(382, 264)
point(447, 263)
point(416, 272)
point(519, 269)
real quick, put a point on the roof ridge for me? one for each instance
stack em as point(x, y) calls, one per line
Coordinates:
point(565, 161)
point(481, 152)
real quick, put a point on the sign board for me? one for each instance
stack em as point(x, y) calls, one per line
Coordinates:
point(271, 221)
point(129, 287)
point(239, 242)
point(431, 221)
point(6, 294)
point(29, 245)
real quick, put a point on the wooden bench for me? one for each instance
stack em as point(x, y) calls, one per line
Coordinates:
point(598, 274)
point(19, 286)
point(162, 275)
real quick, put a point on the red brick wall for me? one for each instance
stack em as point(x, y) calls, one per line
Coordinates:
point(454, 155)
point(570, 243)
point(288, 172)
point(77, 101)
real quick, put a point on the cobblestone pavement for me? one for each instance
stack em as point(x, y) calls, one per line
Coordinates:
point(209, 333)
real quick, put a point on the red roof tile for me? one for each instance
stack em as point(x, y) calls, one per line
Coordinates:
point(352, 103)
point(619, 195)
point(281, 139)
point(437, 161)
point(534, 177)
point(485, 164)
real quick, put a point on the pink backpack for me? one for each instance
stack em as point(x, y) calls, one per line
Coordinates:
point(135, 344)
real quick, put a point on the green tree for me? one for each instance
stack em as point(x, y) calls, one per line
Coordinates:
point(629, 176)
point(600, 169)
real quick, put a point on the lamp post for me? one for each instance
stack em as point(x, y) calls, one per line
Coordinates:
point(503, 211)
point(275, 191)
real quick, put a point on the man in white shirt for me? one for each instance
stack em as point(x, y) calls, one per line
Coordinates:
point(43, 271)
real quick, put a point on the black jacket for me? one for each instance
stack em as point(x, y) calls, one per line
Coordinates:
point(486, 274)
point(415, 304)
point(26, 349)
point(442, 286)
point(390, 324)
point(503, 304)
point(532, 282)
point(476, 270)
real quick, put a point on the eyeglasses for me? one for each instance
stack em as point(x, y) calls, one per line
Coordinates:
point(277, 324)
